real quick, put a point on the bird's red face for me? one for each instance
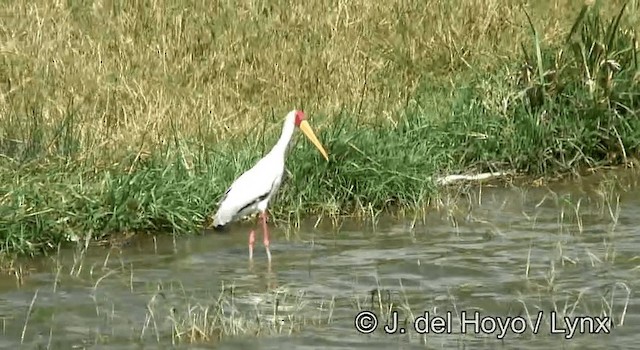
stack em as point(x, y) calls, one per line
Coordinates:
point(299, 118)
point(300, 122)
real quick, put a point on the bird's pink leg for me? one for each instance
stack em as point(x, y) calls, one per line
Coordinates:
point(252, 239)
point(265, 234)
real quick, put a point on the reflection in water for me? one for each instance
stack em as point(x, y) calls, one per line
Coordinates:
point(571, 249)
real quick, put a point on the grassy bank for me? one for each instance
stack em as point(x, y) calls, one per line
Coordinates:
point(136, 118)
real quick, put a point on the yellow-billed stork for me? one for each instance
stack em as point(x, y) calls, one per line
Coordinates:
point(251, 192)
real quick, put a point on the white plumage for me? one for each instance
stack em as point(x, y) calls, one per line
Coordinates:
point(253, 190)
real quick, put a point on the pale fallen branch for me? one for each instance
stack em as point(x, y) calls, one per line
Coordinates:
point(446, 180)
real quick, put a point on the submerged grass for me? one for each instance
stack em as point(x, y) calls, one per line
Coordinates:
point(131, 306)
point(136, 118)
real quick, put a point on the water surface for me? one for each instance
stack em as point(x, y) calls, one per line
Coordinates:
point(570, 248)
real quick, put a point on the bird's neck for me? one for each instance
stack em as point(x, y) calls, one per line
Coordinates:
point(281, 146)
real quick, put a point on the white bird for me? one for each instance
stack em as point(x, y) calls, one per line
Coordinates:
point(251, 192)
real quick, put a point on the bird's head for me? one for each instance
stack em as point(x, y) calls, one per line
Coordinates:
point(300, 121)
point(298, 117)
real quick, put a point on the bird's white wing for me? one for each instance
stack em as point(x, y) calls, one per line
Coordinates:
point(251, 187)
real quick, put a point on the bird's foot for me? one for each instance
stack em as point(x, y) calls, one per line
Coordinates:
point(252, 240)
point(265, 236)
point(266, 248)
point(267, 243)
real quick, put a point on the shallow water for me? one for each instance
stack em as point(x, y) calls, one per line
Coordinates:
point(571, 249)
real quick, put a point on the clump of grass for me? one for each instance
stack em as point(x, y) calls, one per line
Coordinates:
point(149, 131)
point(573, 105)
point(190, 320)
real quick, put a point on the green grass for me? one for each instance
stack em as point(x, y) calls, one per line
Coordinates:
point(128, 119)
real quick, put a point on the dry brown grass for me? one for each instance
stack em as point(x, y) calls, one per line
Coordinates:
point(211, 68)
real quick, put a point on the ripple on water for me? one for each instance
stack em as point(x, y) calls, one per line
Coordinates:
point(494, 259)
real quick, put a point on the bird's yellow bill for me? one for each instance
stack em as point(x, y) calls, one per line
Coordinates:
point(308, 132)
